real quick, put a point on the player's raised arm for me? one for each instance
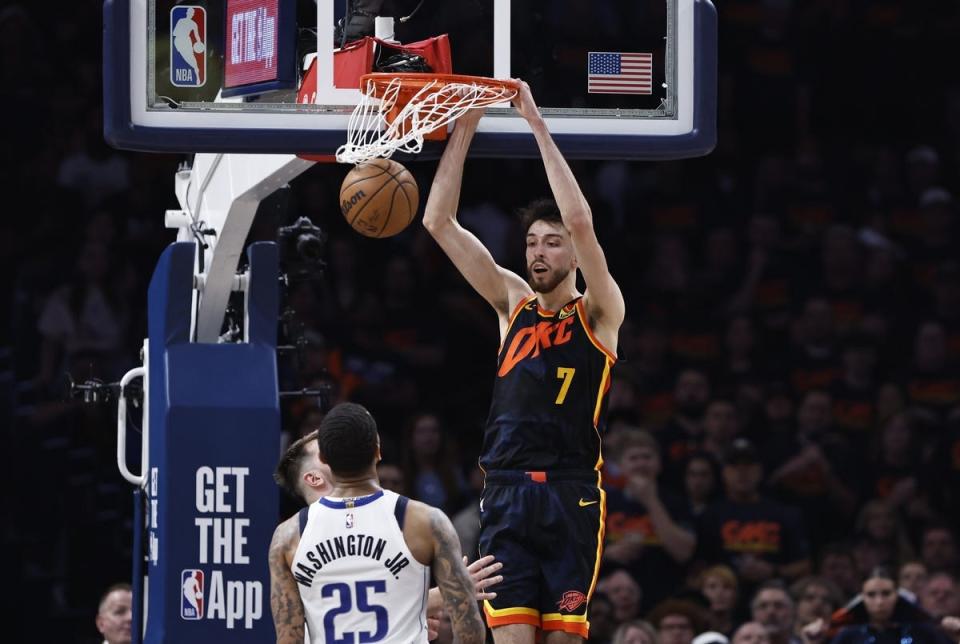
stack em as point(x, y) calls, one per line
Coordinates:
point(498, 286)
point(285, 601)
point(603, 299)
point(454, 581)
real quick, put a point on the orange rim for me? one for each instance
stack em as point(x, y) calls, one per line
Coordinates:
point(416, 81)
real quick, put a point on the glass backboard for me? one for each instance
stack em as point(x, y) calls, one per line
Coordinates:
point(616, 79)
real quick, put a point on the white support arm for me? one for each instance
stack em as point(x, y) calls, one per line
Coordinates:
point(221, 192)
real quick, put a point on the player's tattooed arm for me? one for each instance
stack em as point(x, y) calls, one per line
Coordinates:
point(285, 602)
point(454, 581)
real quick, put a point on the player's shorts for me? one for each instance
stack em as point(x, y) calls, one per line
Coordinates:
point(546, 528)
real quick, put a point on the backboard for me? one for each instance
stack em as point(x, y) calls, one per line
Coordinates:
point(615, 79)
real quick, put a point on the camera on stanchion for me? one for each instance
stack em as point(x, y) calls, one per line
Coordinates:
point(94, 391)
point(301, 247)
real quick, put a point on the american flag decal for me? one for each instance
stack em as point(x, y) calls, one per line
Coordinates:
point(619, 73)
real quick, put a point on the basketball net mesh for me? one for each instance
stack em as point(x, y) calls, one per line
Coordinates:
point(377, 128)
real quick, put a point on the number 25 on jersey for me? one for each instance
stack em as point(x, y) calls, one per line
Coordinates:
point(346, 595)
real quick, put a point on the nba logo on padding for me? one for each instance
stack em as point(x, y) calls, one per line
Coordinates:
point(191, 594)
point(188, 46)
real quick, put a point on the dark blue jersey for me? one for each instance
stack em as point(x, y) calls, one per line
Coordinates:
point(550, 396)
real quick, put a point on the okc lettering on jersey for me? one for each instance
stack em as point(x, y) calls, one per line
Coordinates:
point(529, 341)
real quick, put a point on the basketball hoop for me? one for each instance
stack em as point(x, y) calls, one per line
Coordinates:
point(397, 111)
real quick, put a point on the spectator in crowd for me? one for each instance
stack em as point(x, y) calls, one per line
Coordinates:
point(636, 631)
point(878, 615)
point(435, 477)
point(721, 424)
point(813, 364)
point(939, 595)
point(838, 565)
point(677, 621)
point(701, 483)
point(648, 529)
point(773, 608)
point(740, 360)
point(893, 474)
point(815, 598)
point(938, 548)
point(91, 167)
point(602, 622)
point(624, 592)
point(814, 469)
point(758, 538)
point(854, 406)
point(114, 614)
point(84, 322)
point(933, 384)
point(683, 433)
point(393, 478)
point(719, 585)
point(766, 287)
point(881, 538)
point(750, 633)
point(911, 578)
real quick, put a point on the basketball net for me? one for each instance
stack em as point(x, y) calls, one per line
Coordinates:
point(397, 111)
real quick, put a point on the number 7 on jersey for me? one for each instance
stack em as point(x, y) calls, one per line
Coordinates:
point(566, 375)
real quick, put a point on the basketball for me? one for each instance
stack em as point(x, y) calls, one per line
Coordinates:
point(198, 47)
point(379, 198)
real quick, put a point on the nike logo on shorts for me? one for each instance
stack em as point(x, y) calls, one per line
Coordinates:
point(584, 504)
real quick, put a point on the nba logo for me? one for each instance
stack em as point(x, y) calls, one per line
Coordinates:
point(188, 46)
point(191, 594)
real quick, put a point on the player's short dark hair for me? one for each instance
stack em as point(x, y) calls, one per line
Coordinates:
point(287, 474)
point(539, 210)
point(348, 439)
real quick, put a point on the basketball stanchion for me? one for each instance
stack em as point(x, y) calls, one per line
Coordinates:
point(396, 112)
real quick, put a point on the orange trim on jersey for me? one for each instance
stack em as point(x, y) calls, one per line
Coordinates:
point(601, 533)
point(559, 617)
point(567, 625)
point(513, 316)
point(504, 612)
point(537, 477)
point(505, 616)
point(582, 314)
point(604, 388)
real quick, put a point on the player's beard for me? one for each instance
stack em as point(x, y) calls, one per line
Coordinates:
point(546, 282)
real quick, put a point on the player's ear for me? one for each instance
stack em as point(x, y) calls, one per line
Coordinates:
point(313, 478)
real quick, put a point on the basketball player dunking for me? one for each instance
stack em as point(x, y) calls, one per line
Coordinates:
point(357, 564)
point(542, 509)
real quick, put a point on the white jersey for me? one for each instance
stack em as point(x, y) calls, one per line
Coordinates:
point(357, 578)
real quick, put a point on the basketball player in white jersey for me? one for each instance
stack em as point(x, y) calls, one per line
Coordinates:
point(301, 474)
point(356, 565)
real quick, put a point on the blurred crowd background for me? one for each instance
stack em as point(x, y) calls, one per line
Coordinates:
point(786, 415)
